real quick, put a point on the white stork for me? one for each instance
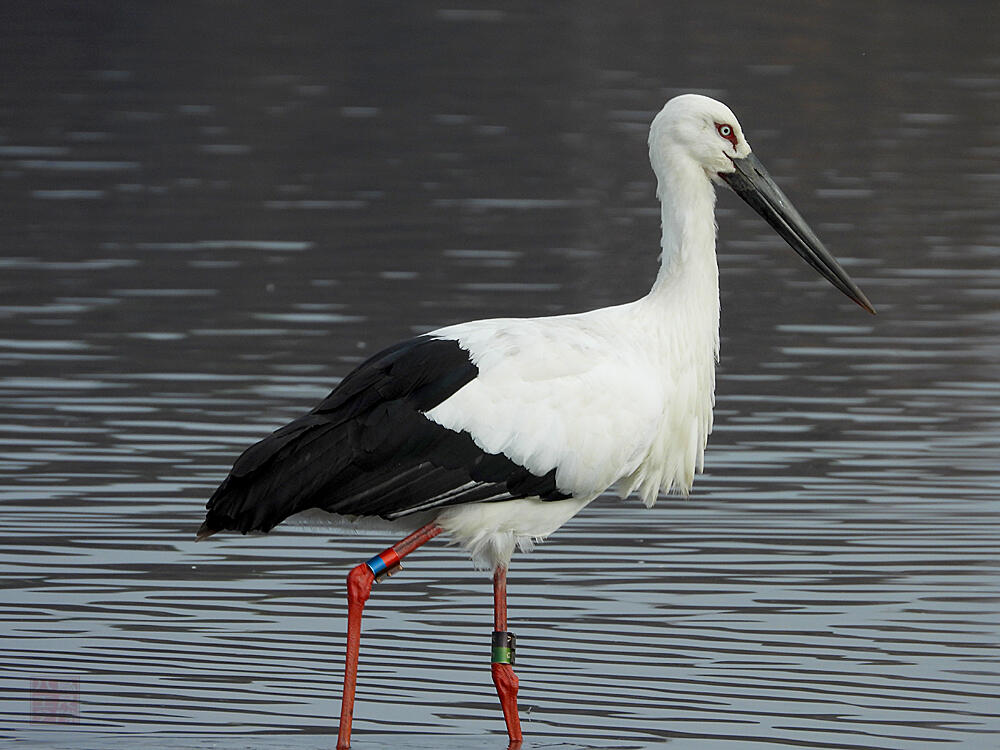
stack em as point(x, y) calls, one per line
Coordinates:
point(497, 432)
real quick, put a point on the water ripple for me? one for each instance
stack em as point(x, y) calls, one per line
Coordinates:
point(192, 259)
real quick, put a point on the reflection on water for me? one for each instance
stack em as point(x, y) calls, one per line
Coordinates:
point(204, 231)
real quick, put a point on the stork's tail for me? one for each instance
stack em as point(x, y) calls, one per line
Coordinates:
point(277, 477)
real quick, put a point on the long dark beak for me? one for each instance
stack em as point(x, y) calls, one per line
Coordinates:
point(754, 185)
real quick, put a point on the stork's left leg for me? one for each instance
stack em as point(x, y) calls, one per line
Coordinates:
point(503, 659)
point(359, 587)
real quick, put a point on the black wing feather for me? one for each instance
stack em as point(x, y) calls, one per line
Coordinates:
point(368, 450)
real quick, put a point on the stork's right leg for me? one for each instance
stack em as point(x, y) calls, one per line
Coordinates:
point(502, 661)
point(359, 588)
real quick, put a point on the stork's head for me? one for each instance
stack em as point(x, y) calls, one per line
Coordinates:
point(694, 135)
point(694, 128)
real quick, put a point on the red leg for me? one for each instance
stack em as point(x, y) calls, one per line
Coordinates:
point(359, 588)
point(502, 664)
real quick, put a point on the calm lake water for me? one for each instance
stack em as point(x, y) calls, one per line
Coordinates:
point(212, 211)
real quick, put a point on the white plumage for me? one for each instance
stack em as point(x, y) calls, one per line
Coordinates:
point(619, 397)
point(609, 398)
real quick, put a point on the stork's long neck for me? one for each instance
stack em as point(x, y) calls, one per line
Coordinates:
point(688, 279)
point(680, 319)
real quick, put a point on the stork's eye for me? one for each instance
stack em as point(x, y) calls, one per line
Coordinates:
point(727, 132)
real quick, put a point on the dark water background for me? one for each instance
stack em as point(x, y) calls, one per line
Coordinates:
point(209, 212)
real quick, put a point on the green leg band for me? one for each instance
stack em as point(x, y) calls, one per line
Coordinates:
point(503, 647)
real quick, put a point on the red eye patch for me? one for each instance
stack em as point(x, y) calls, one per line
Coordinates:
point(727, 132)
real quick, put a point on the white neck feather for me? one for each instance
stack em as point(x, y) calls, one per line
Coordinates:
point(681, 323)
point(689, 271)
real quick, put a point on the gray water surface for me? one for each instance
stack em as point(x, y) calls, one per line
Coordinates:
point(213, 211)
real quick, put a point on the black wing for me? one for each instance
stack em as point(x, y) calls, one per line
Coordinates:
point(368, 450)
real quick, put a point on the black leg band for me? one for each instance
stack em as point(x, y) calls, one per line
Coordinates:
point(503, 647)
